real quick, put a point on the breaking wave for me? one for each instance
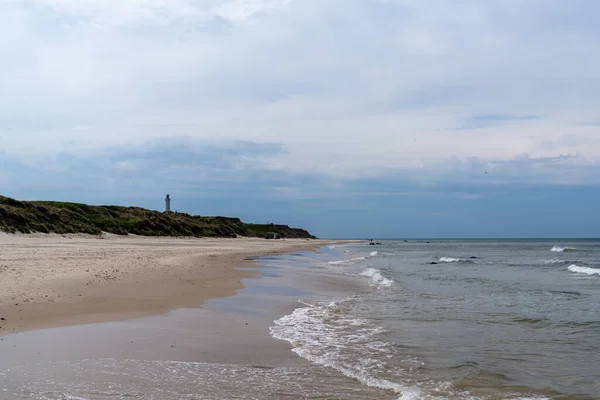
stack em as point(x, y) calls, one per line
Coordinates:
point(558, 249)
point(337, 246)
point(352, 260)
point(377, 278)
point(584, 270)
point(327, 336)
point(450, 259)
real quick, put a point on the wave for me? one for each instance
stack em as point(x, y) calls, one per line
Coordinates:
point(377, 278)
point(327, 336)
point(529, 320)
point(165, 380)
point(569, 294)
point(558, 249)
point(584, 270)
point(352, 260)
point(337, 246)
point(528, 398)
point(547, 262)
point(451, 259)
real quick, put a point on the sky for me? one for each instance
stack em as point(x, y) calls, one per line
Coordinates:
point(350, 118)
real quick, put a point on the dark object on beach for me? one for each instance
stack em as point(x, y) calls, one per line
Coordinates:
point(371, 244)
point(272, 235)
point(2, 319)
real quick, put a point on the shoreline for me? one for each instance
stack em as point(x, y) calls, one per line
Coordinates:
point(59, 280)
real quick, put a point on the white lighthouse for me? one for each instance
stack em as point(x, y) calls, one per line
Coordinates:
point(168, 203)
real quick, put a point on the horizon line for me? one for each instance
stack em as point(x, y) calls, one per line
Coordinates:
point(467, 238)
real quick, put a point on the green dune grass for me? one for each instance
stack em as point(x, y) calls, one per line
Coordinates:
point(59, 217)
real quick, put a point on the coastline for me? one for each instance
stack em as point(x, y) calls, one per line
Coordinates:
point(59, 280)
point(221, 349)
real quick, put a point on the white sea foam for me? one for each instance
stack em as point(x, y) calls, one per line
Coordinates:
point(584, 270)
point(532, 398)
point(352, 260)
point(337, 246)
point(329, 336)
point(558, 249)
point(450, 259)
point(377, 278)
point(413, 394)
point(552, 261)
point(163, 380)
point(326, 336)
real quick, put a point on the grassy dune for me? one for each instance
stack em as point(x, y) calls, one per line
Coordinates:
point(59, 217)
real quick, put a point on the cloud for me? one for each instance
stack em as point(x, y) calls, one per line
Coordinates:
point(346, 90)
point(487, 120)
point(592, 123)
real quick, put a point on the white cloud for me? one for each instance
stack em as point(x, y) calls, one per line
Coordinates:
point(351, 88)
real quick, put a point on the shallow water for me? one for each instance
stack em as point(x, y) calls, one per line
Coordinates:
point(461, 319)
point(97, 379)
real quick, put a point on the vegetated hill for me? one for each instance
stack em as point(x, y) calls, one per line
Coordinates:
point(58, 217)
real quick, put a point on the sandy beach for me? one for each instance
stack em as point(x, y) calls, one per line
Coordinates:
point(54, 280)
point(223, 349)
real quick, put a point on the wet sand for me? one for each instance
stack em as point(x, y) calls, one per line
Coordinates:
point(54, 280)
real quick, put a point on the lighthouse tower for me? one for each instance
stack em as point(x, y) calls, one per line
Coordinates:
point(168, 203)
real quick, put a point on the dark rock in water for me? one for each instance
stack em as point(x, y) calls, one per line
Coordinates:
point(473, 257)
point(433, 263)
point(371, 244)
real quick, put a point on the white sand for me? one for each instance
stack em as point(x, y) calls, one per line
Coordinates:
point(52, 280)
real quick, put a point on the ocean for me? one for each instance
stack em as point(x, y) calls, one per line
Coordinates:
point(507, 319)
point(430, 319)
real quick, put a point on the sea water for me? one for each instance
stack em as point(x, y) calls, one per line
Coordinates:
point(460, 319)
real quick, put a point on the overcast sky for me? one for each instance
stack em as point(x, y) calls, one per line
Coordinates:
point(351, 118)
